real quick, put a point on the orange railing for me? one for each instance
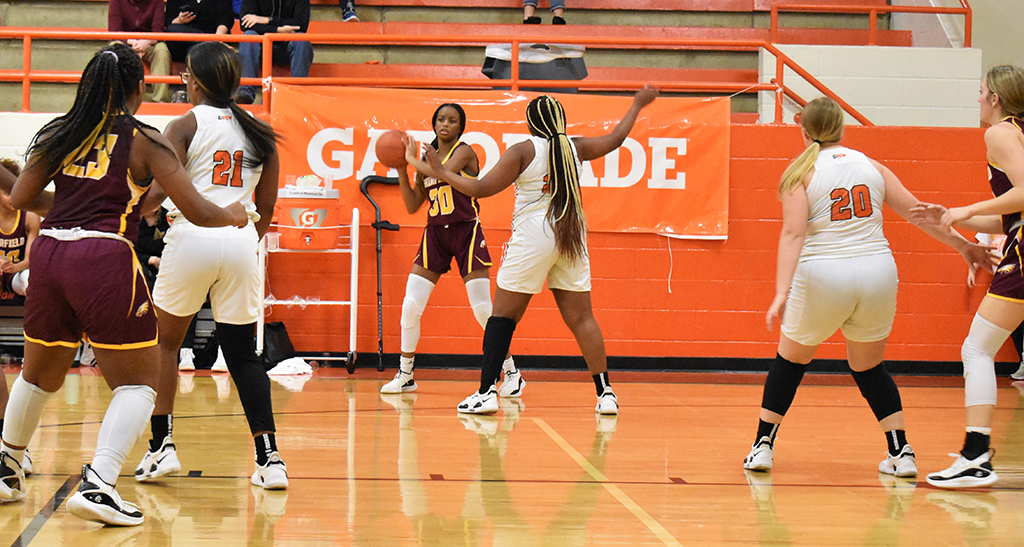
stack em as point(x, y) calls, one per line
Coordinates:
point(872, 12)
point(27, 76)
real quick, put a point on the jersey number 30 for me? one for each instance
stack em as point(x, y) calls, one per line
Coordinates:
point(441, 201)
point(227, 168)
point(855, 202)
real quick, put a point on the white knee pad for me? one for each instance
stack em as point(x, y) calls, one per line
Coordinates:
point(479, 292)
point(979, 356)
point(20, 282)
point(417, 293)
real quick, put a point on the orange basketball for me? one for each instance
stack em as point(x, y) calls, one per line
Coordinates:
point(391, 149)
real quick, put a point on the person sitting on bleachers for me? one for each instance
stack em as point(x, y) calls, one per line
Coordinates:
point(268, 16)
point(144, 16)
point(530, 7)
point(18, 229)
point(196, 17)
point(348, 11)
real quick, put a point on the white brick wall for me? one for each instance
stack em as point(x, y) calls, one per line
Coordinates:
point(936, 87)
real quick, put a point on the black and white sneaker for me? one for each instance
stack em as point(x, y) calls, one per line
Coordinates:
point(12, 479)
point(966, 473)
point(99, 502)
point(480, 403)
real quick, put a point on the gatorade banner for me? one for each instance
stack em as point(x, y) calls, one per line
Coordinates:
point(670, 176)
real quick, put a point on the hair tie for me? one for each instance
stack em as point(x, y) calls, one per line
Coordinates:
point(112, 53)
point(817, 141)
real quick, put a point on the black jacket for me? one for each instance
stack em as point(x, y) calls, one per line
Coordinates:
point(209, 13)
point(280, 12)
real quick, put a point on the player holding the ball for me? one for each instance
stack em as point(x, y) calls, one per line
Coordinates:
point(453, 231)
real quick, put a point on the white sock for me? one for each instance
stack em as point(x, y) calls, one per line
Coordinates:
point(24, 410)
point(405, 364)
point(509, 366)
point(124, 423)
point(479, 292)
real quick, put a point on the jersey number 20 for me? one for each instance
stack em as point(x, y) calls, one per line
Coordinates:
point(855, 202)
point(227, 168)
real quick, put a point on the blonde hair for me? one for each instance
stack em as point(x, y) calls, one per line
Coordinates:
point(822, 120)
point(546, 118)
point(1007, 83)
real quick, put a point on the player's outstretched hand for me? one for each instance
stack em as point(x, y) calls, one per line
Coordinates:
point(433, 159)
point(645, 95)
point(927, 213)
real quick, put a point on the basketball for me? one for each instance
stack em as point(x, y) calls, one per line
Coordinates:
point(391, 149)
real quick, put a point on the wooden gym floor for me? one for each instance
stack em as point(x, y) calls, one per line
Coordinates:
point(407, 470)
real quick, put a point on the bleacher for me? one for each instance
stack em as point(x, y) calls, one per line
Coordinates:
point(639, 21)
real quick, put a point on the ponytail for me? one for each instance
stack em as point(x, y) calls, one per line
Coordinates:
point(822, 120)
point(546, 118)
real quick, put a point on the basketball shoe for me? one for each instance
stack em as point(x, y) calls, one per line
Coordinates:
point(512, 386)
point(12, 479)
point(760, 457)
point(157, 464)
point(220, 365)
point(99, 502)
point(186, 359)
point(901, 465)
point(402, 383)
point(607, 402)
point(966, 473)
point(480, 403)
point(272, 475)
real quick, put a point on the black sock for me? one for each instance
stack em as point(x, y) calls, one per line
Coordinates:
point(266, 444)
point(975, 444)
point(161, 427)
point(897, 439)
point(601, 382)
point(765, 429)
point(497, 339)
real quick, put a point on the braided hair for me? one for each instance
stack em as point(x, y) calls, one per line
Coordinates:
point(546, 118)
point(108, 82)
point(217, 70)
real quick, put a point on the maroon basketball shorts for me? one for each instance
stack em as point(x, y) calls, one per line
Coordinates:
point(1008, 281)
point(463, 241)
point(91, 286)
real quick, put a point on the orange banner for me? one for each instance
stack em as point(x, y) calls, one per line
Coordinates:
point(669, 177)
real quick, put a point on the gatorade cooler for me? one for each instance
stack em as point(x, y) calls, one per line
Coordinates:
point(308, 218)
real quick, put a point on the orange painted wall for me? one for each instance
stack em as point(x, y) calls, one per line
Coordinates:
point(656, 297)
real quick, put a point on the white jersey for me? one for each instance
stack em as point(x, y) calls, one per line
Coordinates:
point(845, 198)
point(216, 161)
point(532, 196)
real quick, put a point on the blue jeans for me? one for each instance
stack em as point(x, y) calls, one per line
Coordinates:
point(297, 55)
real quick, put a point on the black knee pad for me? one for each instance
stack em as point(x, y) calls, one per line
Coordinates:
point(880, 391)
point(780, 386)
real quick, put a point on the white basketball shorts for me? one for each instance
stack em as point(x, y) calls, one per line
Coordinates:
point(219, 261)
point(857, 295)
point(531, 257)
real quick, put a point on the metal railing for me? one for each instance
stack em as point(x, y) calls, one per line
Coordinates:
point(872, 11)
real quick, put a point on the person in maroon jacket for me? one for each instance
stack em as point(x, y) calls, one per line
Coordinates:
point(144, 16)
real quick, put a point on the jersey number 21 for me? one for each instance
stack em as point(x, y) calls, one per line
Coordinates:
point(227, 168)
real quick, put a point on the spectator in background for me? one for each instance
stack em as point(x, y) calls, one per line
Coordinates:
point(196, 17)
point(269, 16)
point(348, 11)
point(530, 7)
point(144, 16)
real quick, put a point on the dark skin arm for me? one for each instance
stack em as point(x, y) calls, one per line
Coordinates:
point(265, 194)
point(519, 156)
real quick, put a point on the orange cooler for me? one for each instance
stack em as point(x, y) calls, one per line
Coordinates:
point(306, 220)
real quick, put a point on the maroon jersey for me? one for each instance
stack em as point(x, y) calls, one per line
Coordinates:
point(12, 244)
point(1001, 184)
point(95, 191)
point(448, 205)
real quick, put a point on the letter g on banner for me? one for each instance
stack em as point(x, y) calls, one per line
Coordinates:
point(324, 146)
